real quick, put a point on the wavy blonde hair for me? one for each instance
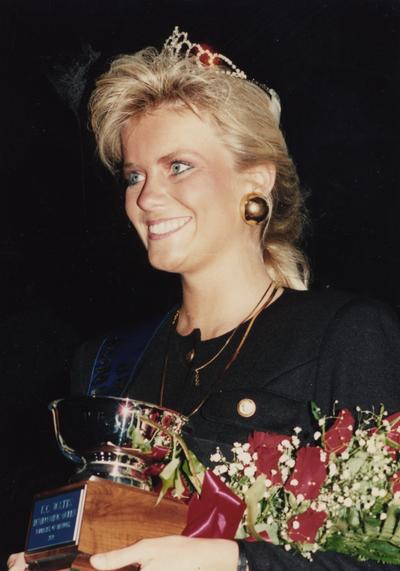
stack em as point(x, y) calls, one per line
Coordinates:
point(248, 125)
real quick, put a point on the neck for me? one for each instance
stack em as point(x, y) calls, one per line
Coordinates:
point(217, 300)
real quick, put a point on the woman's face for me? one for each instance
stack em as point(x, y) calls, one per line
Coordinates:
point(183, 192)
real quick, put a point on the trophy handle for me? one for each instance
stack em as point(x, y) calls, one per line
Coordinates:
point(65, 449)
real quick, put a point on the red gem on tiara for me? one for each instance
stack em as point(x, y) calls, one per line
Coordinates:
point(208, 56)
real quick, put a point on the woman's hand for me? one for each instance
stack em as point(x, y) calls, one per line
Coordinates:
point(172, 553)
point(16, 562)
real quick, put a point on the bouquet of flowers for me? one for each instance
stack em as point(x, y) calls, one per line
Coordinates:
point(342, 493)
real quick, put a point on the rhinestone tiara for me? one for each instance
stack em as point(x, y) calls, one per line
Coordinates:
point(180, 45)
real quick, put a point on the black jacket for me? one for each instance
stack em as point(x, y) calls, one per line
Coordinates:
point(308, 346)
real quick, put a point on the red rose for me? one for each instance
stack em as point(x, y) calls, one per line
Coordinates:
point(265, 444)
point(309, 473)
point(337, 438)
point(395, 482)
point(304, 527)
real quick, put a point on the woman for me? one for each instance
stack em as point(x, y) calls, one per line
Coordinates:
point(214, 196)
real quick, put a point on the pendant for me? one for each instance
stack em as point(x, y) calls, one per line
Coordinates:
point(190, 356)
point(196, 377)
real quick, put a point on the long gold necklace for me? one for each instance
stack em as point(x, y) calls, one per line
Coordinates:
point(251, 317)
point(196, 370)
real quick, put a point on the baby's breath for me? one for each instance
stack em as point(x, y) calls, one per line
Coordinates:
point(357, 489)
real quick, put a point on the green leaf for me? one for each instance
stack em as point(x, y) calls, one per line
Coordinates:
point(198, 466)
point(168, 477)
point(395, 539)
point(252, 498)
point(178, 485)
point(392, 443)
point(138, 441)
point(292, 501)
point(372, 526)
point(354, 518)
point(341, 524)
point(241, 532)
point(315, 410)
point(199, 469)
point(390, 522)
point(136, 437)
point(357, 546)
point(303, 506)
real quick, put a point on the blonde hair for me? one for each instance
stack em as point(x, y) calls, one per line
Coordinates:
point(136, 84)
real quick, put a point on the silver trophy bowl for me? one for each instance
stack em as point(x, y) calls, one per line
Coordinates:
point(121, 439)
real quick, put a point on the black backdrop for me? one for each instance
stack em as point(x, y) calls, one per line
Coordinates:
point(71, 268)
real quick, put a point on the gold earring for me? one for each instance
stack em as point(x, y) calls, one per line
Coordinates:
point(254, 208)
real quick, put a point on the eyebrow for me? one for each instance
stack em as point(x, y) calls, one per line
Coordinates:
point(166, 158)
point(129, 166)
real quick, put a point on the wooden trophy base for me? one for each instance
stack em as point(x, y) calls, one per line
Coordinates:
point(109, 516)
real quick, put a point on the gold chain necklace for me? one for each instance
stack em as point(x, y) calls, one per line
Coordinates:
point(252, 316)
point(196, 370)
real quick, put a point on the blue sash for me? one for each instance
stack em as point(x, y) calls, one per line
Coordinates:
point(118, 358)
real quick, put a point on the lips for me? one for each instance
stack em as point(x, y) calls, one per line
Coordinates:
point(159, 229)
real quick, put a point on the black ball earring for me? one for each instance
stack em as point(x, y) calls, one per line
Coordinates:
point(254, 209)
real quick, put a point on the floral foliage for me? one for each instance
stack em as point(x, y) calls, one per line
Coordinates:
point(341, 494)
point(170, 468)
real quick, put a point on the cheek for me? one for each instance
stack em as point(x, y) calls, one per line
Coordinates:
point(133, 212)
point(131, 207)
point(211, 193)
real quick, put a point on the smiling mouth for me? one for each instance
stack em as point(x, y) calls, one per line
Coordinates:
point(164, 228)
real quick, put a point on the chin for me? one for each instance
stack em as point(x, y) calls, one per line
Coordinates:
point(166, 263)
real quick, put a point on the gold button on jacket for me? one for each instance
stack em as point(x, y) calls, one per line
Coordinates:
point(246, 407)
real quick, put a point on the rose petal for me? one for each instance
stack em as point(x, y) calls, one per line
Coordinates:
point(308, 474)
point(306, 526)
point(337, 438)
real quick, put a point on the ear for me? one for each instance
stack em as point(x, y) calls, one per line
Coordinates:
point(259, 179)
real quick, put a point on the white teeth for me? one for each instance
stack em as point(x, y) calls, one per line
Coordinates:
point(167, 226)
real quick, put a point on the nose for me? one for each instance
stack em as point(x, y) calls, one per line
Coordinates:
point(152, 194)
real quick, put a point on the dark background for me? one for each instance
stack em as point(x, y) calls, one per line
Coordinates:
point(70, 266)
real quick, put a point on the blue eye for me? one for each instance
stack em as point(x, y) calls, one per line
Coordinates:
point(178, 167)
point(133, 178)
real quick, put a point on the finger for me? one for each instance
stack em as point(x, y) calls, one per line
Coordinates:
point(116, 559)
point(17, 562)
point(11, 559)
